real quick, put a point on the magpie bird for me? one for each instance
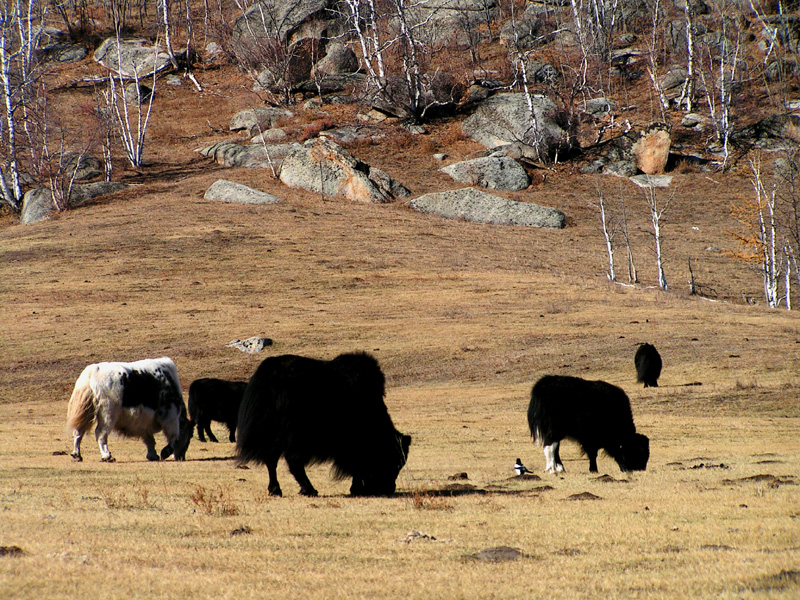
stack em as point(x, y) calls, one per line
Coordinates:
point(519, 468)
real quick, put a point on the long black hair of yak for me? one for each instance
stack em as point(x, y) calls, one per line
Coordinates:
point(316, 411)
point(648, 365)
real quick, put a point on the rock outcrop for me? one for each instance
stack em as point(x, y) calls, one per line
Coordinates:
point(322, 166)
point(478, 206)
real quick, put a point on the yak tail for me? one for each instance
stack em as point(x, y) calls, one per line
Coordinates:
point(80, 412)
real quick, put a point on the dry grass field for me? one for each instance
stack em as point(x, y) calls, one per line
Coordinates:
point(463, 318)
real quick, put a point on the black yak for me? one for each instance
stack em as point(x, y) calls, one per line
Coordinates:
point(648, 365)
point(595, 414)
point(314, 411)
point(215, 400)
point(137, 399)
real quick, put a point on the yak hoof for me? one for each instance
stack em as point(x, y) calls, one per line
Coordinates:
point(275, 492)
point(108, 459)
point(310, 493)
point(76, 457)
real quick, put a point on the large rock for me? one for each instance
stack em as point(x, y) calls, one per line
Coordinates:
point(251, 156)
point(256, 120)
point(132, 58)
point(496, 173)
point(651, 150)
point(286, 22)
point(339, 59)
point(776, 132)
point(37, 204)
point(475, 205)
point(230, 191)
point(506, 119)
point(322, 166)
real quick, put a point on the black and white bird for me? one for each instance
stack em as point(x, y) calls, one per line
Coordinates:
point(519, 468)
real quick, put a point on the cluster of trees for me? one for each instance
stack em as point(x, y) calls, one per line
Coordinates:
point(417, 57)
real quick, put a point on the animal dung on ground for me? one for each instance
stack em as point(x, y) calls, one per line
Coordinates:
point(583, 496)
point(648, 365)
point(11, 551)
point(497, 554)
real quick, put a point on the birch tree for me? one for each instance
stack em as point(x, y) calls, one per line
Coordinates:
point(657, 209)
point(20, 28)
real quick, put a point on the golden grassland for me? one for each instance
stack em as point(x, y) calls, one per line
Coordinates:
point(463, 318)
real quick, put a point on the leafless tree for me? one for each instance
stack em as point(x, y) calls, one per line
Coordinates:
point(657, 209)
point(20, 71)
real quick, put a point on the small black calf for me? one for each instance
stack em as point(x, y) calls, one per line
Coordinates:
point(215, 400)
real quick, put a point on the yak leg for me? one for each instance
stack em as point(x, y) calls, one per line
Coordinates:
point(101, 433)
point(150, 442)
point(297, 467)
point(232, 432)
point(274, 487)
point(211, 436)
point(201, 425)
point(592, 454)
point(76, 452)
point(552, 459)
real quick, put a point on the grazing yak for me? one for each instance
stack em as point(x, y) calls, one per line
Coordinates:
point(648, 365)
point(215, 400)
point(314, 411)
point(136, 399)
point(595, 414)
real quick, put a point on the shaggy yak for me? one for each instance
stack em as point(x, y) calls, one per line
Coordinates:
point(215, 400)
point(136, 399)
point(648, 365)
point(314, 411)
point(595, 414)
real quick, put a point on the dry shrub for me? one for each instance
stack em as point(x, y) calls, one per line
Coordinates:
point(422, 500)
point(312, 130)
point(138, 498)
point(214, 503)
point(684, 166)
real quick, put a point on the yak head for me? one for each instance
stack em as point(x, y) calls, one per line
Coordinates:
point(182, 444)
point(381, 481)
point(634, 453)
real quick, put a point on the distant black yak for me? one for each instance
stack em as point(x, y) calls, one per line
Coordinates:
point(215, 400)
point(648, 365)
point(595, 414)
point(314, 411)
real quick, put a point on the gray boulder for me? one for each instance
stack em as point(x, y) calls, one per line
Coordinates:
point(776, 132)
point(477, 206)
point(132, 58)
point(496, 173)
point(230, 191)
point(621, 168)
point(506, 119)
point(66, 52)
point(230, 154)
point(140, 96)
point(37, 204)
point(599, 107)
point(322, 166)
point(652, 181)
point(286, 22)
point(339, 59)
point(257, 120)
point(251, 345)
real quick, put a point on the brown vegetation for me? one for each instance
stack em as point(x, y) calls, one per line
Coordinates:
point(463, 318)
